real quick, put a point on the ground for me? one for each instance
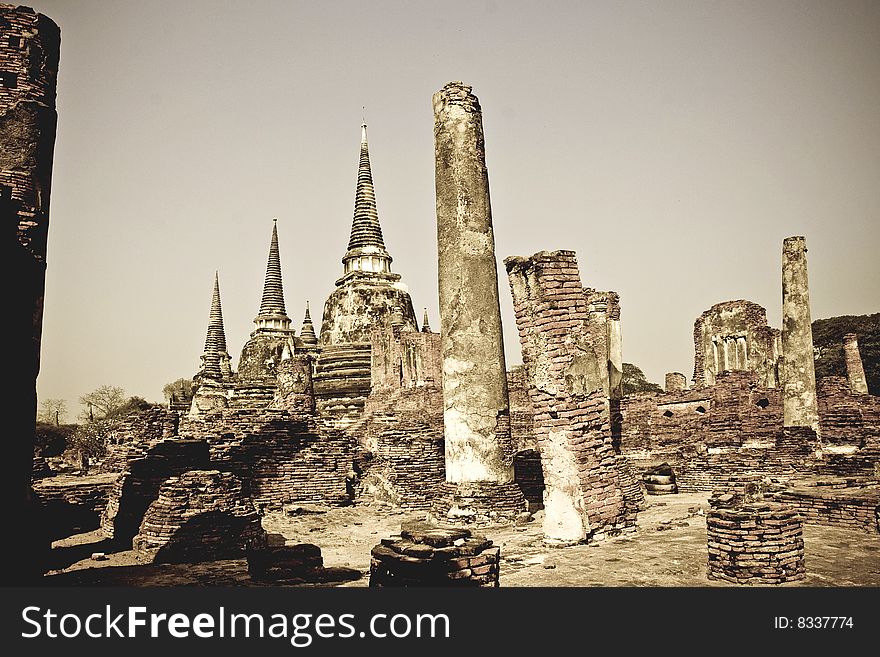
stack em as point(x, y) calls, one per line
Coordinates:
point(668, 549)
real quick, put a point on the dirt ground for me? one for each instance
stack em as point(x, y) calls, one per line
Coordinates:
point(668, 549)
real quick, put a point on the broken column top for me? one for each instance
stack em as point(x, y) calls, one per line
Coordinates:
point(456, 93)
point(794, 244)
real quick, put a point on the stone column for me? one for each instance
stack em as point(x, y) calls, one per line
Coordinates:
point(29, 53)
point(854, 370)
point(799, 377)
point(476, 412)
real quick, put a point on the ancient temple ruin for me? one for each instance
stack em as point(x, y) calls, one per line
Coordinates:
point(384, 417)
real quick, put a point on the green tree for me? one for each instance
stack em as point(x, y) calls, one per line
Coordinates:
point(634, 380)
point(52, 411)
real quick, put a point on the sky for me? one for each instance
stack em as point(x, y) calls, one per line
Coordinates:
point(672, 145)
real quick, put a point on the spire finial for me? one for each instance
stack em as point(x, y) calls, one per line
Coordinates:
point(426, 327)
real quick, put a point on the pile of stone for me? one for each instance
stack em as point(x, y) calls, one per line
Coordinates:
point(425, 555)
point(201, 515)
point(660, 480)
point(752, 541)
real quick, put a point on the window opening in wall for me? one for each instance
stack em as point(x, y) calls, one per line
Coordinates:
point(700, 409)
point(762, 403)
point(8, 79)
point(667, 413)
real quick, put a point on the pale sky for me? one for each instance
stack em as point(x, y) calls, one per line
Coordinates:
point(672, 145)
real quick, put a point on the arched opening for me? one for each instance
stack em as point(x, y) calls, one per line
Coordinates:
point(762, 403)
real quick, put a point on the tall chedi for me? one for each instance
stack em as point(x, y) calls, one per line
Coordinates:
point(272, 333)
point(367, 295)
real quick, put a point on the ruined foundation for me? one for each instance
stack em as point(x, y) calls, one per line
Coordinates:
point(476, 409)
point(566, 353)
point(434, 556)
point(285, 563)
point(201, 515)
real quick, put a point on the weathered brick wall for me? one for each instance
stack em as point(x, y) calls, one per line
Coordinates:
point(281, 458)
point(843, 413)
point(566, 356)
point(342, 382)
point(854, 509)
point(522, 427)
point(739, 328)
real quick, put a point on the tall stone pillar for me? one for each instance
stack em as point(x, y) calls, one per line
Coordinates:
point(476, 412)
point(675, 382)
point(854, 370)
point(799, 377)
point(29, 54)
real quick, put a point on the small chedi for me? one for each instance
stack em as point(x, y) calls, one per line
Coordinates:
point(752, 540)
point(427, 555)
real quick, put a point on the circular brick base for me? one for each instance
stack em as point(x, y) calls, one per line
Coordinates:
point(435, 556)
point(759, 543)
point(483, 502)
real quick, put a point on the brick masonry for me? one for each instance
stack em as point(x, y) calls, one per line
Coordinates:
point(565, 354)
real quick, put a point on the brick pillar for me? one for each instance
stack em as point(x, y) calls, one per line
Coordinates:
point(675, 382)
point(799, 377)
point(29, 55)
point(854, 370)
point(565, 354)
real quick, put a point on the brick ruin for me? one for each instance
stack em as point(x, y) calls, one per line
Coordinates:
point(567, 359)
point(375, 407)
point(430, 556)
point(732, 336)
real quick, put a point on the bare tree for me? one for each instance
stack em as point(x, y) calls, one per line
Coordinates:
point(52, 411)
point(103, 403)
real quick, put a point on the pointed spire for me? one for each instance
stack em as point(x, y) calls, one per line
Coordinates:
point(365, 229)
point(426, 327)
point(272, 311)
point(215, 341)
point(307, 335)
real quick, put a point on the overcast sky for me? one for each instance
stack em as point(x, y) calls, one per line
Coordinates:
point(672, 145)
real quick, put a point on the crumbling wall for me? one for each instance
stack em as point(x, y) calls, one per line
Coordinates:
point(566, 357)
point(137, 487)
point(734, 335)
point(281, 458)
point(200, 515)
